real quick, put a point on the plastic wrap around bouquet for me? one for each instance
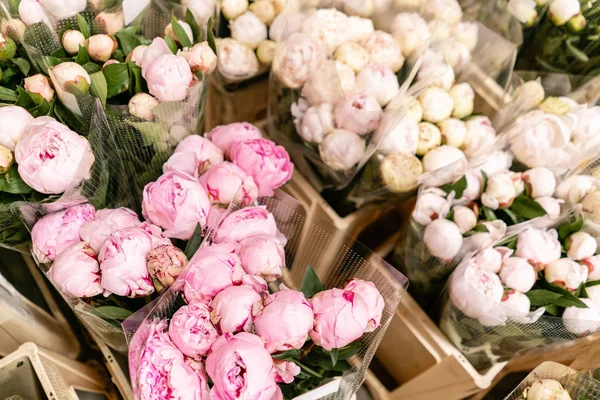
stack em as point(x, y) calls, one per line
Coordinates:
point(553, 380)
point(219, 321)
point(532, 289)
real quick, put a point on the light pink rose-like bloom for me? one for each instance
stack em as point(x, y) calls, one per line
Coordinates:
point(76, 271)
point(480, 136)
point(358, 113)
point(241, 368)
point(539, 182)
point(137, 55)
point(169, 77)
point(538, 246)
point(226, 182)
point(263, 160)
point(370, 294)
point(52, 157)
point(491, 258)
point(165, 263)
point(518, 274)
point(342, 149)
point(341, 317)
point(263, 256)
point(177, 203)
point(593, 265)
point(123, 263)
point(379, 82)
point(97, 230)
point(297, 58)
point(285, 321)
point(316, 122)
point(211, 270)
point(285, 371)
point(191, 331)
point(225, 136)
point(150, 54)
point(580, 245)
point(54, 233)
point(566, 273)
point(13, 120)
point(163, 371)
point(240, 224)
point(443, 239)
point(201, 58)
point(39, 84)
point(233, 309)
point(431, 204)
point(215, 216)
point(194, 155)
point(156, 234)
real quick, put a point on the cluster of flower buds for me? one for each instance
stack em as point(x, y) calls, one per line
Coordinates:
point(560, 12)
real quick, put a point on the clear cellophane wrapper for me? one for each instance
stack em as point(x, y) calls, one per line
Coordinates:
point(495, 15)
point(334, 260)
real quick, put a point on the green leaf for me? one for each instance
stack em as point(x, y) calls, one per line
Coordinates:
point(527, 208)
point(567, 298)
point(7, 94)
point(14, 6)
point(457, 187)
point(51, 61)
point(552, 310)
point(348, 351)
point(99, 87)
point(489, 214)
point(117, 79)
point(288, 355)
point(485, 179)
point(334, 356)
point(512, 215)
point(25, 99)
point(574, 51)
point(43, 107)
point(171, 44)
point(542, 297)
point(67, 117)
point(136, 82)
point(311, 284)
point(481, 228)
point(127, 41)
point(592, 283)
point(82, 56)
point(510, 242)
point(11, 182)
point(92, 67)
point(547, 66)
point(566, 230)
point(180, 33)
point(191, 21)
point(112, 312)
point(308, 370)
point(23, 65)
point(210, 35)
point(194, 243)
point(84, 27)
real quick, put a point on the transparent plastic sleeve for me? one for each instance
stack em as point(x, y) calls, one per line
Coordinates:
point(334, 262)
point(494, 15)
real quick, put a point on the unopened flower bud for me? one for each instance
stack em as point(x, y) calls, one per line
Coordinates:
point(574, 188)
point(467, 33)
point(248, 29)
point(6, 159)
point(550, 205)
point(456, 54)
point(378, 81)
point(591, 204)
point(400, 172)
point(186, 27)
point(539, 182)
point(464, 218)
point(577, 23)
point(66, 76)
point(464, 98)
point(518, 274)
point(165, 263)
point(384, 50)
point(431, 204)
point(359, 8)
point(264, 10)
point(500, 192)
point(110, 62)
point(523, 10)
point(415, 111)
point(437, 104)
point(353, 55)
point(515, 305)
point(33, 11)
point(429, 138)
point(141, 106)
point(266, 51)
point(71, 40)
point(566, 273)
point(491, 259)
point(341, 150)
point(8, 48)
point(111, 22)
point(358, 113)
point(437, 73)
point(137, 55)
point(562, 11)
point(14, 28)
point(232, 9)
point(411, 32)
point(580, 321)
point(454, 132)
point(443, 156)
point(346, 76)
point(580, 245)
point(316, 123)
point(39, 84)
point(101, 47)
point(236, 61)
point(201, 58)
point(443, 239)
point(530, 94)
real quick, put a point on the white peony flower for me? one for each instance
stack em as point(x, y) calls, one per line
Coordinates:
point(456, 54)
point(316, 123)
point(474, 187)
point(33, 11)
point(591, 205)
point(443, 239)
point(231, 9)
point(445, 11)
point(495, 231)
point(586, 131)
point(286, 24)
point(403, 137)
point(236, 61)
point(266, 51)
point(565, 273)
point(379, 82)
point(410, 31)
point(518, 274)
point(550, 205)
point(444, 156)
point(523, 10)
point(437, 74)
point(465, 218)
point(454, 132)
point(296, 59)
point(547, 389)
point(359, 29)
point(580, 245)
point(346, 77)
point(248, 29)
point(437, 104)
point(499, 193)
point(539, 246)
point(141, 106)
point(353, 55)
point(464, 99)
point(341, 150)
point(481, 136)
point(264, 10)
point(540, 182)
point(582, 321)
point(561, 11)
point(358, 113)
point(360, 8)
point(62, 9)
point(431, 204)
point(491, 258)
point(323, 85)
point(429, 138)
point(467, 33)
point(400, 172)
point(593, 266)
point(72, 40)
point(328, 26)
point(516, 305)
point(384, 50)
point(495, 162)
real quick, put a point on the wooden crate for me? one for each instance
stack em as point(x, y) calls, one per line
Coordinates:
point(119, 374)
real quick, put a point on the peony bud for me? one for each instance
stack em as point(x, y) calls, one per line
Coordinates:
point(403, 137)
point(168, 77)
point(491, 258)
point(191, 330)
point(540, 182)
point(346, 76)
point(166, 263)
point(110, 62)
point(467, 33)
point(593, 293)
point(236, 61)
point(13, 28)
point(286, 24)
point(580, 245)
point(591, 204)
point(561, 11)
point(72, 40)
point(111, 23)
point(353, 55)
point(437, 73)
point(358, 29)
point(379, 82)
point(455, 53)
point(39, 84)
point(499, 193)
point(101, 47)
point(372, 297)
point(341, 150)
point(577, 23)
point(141, 106)
point(266, 50)
point(550, 205)
point(285, 371)
point(565, 273)
point(262, 256)
point(201, 58)
point(297, 58)
point(264, 10)
point(437, 104)
point(248, 29)
point(464, 97)
point(13, 120)
point(323, 86)
point(443, 239)
point(431, 204)
point(137, 55)
point(400, 172)
point(464, 218)
point(454, 132)
point(33, 11)
point(474, 186)
point(518, 274)
point(481, 135)
point(226, 183)
point(202, 10)
point(429, 138)
point(515, 305)
point(232, 9)
point(360, 8)
point(384, 50)
point(443, 156)
point(186, 27)
point(495, 230)
point(8, 48)
point(411, 31)
point(358, 113)
point(593, 266)
point(582, 321)
point(226, 136)
point(6, 159)
point(233, 309)
point(316, 123)
point(547, 389)
point(539, 246)
point(523, 10)
point(76, 272)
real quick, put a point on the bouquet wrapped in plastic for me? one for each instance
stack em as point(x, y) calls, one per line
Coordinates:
point(532, 289)
point(234, 314)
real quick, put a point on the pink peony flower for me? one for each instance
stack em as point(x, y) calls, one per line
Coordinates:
point(358, 113)
point(14, 119)
point(177, 203)
point(285, 371)
point(225, 136)
point(211, 270)
point(169, 78)
point(165, 263)
point(145, 57)
point(241, 368)
point(191, 331)
point(538, 246)
point(297, 58)
point(123, 263)
point(194, 155)
point(97, 230)
point(267, 163)
point(341, 317)
point(518, 274)
point(491, 258)
point(342, 149)
point(233, 309)
point(374, 300)
point(250, 221)
point(54, 233)
point(226, 183)
point(76, 271)
point(52, 157)
point(285, 321)
point(262, 255)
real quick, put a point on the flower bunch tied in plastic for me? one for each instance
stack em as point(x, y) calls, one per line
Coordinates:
point(541, 281)
point(231, 337)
